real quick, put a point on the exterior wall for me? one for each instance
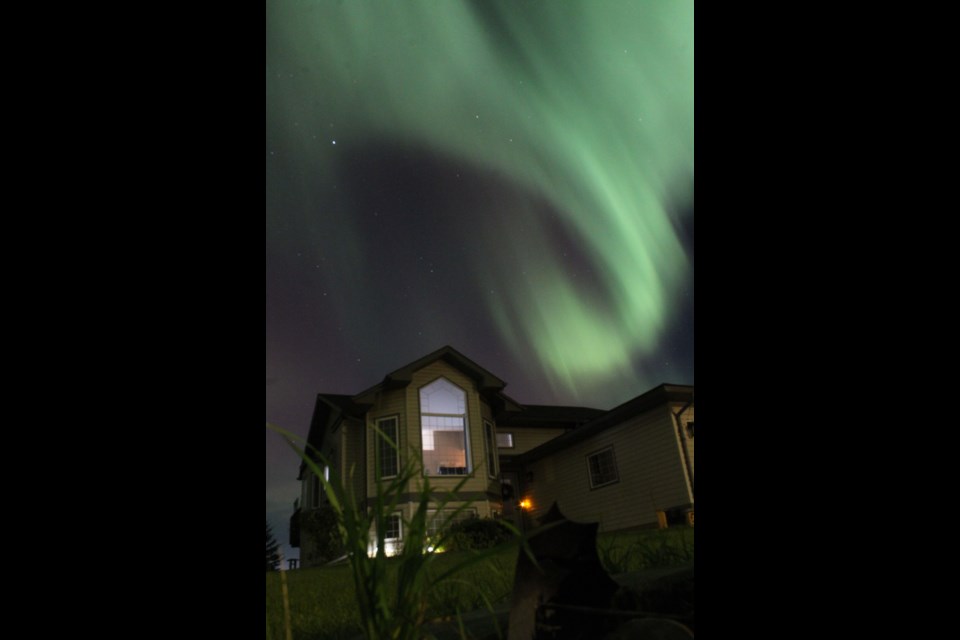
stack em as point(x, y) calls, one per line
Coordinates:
point(649, 465)
point(343, 447)
point(353, 460)
point(686, 418)
point(527, 438)
point(406, 511)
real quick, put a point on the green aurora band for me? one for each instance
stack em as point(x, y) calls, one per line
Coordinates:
point(586, 105)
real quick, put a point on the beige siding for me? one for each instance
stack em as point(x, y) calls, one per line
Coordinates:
point(649, 465)
point(526, 438)
point(485, 411)
point(353, 462)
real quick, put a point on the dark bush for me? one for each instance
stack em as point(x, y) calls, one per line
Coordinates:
point(320, 540)
point(477, 534)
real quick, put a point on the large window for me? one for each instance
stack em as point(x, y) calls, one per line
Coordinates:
point(491, 449)
point(388, 456)
point(443, 427)
point(603, 468)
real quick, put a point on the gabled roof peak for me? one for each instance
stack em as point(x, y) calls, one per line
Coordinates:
point(486, 381)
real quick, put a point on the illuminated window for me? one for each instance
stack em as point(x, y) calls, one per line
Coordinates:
point(603, 468)
point(443, 427)
point(491, 449)
point(505, 440)
point(388, 457)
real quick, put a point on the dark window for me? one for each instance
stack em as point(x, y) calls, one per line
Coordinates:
point(393, 528)
point(690, 429)
point(491, 449)
point(387, 450)
point(603, 468)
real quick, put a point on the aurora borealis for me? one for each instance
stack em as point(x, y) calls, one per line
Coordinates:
point(514, 179)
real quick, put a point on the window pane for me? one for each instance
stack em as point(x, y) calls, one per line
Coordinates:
point(603, 468)
point(393, 530)
point(443, 428)
point(444, 446)
point(442, 396)
point(389, 456)
point(505, 440)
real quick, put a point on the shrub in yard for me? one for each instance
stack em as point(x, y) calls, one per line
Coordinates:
point(323, 534)
point(476, 534)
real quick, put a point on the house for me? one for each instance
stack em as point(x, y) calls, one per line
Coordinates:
point(630, 467)
point(455, 416)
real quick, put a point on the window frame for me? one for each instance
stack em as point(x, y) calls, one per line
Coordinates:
point(389, 519)
point(490, 442)
point(379, 442)
point(468, 456)
point(616, 469)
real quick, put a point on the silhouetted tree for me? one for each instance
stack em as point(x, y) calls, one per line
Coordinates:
point(273, 555)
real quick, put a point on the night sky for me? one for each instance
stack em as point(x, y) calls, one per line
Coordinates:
point(514, 179)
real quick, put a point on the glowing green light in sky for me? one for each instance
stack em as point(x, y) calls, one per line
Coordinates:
point(588, 105)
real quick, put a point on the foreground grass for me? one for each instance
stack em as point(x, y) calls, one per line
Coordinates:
point(322, 604)
point(621, 552)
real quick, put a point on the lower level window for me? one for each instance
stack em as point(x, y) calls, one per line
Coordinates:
point(603, 468)
point(394, 530)
point(446, 518)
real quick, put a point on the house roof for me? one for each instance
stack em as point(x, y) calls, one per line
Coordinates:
point(401, 377)
point(327, 405)
point(655, 397)
point(547, 416)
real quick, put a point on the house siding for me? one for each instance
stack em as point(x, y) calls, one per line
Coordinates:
point(649, 465)
point(353, 448)
point(686, 418)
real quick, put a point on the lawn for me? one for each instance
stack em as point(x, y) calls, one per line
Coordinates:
point(322, 600)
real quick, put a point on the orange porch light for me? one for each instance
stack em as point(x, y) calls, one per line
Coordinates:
point(525, 503)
